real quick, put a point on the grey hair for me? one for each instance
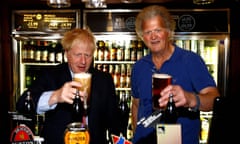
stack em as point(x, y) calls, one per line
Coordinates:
point(152, 11)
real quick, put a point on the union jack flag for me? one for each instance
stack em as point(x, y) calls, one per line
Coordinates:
point(120, 140)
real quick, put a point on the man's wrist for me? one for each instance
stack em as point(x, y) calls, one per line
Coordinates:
point(196, 108)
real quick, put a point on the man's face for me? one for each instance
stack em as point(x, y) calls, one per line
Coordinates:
point(155, 35)
point(80, 57)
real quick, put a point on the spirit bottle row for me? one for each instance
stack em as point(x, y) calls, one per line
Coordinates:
point(42, 52)
point(122, 50)
point(121, 73)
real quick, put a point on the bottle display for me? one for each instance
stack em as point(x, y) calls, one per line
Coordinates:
point(40, 51)
point(36, 55)
point(207, 49)
point(122, 55)
point(170, 113)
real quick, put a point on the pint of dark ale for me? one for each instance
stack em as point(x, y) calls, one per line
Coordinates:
point(159, 82)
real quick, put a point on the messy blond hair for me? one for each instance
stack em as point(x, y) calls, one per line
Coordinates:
point(77, 34)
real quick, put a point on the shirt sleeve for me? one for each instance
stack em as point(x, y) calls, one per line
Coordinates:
point(43, 106)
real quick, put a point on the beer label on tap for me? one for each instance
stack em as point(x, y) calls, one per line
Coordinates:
point(22, 134)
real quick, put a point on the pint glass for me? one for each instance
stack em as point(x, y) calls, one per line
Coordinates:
point(85, 80)
point(159, 82)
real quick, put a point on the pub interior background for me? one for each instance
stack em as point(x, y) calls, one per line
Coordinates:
point(6, 52)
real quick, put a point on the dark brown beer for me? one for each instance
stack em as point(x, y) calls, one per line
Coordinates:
point(159, 82)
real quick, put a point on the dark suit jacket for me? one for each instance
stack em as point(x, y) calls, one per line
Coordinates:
point(102, 114)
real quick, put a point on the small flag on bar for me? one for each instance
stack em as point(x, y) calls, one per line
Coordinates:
point(120, 140)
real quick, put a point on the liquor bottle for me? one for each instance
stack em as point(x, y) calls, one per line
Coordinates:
point(31, 52)
point(127, 53)
point(128, 76)
point(100, 49)
point(77, 108)
point(124, 113)
point(113, 51)
point(116, 76)
point(95, 55)
point(28, 52)
point(44, 52)
point(25, 51)
point(139, 50)
point(111, 69)
point(29, 106)
point(99, 67)
point(123, 76)
point(170, 114)
point(107, 51)
point(133, 49)
point(105, 68)
point(37, 54)
point(28, 78)
point(58, 53)
point(120, 51)
point(145, 50)
point(109, 27)
point(29, 111)
point(51, 52)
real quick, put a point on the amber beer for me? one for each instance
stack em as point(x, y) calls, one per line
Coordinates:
point(85, 80)
point(159, 82)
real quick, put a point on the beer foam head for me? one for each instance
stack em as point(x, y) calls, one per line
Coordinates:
point(162, 76)
point(82, 75)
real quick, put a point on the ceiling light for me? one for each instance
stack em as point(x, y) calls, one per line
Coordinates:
point(203, 2)
point(95, 3)
point(59, 3)
point(131, 1)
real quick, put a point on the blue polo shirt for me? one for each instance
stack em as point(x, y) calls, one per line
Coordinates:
point(187, 70)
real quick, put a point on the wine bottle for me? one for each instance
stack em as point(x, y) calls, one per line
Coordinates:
point(124, 113)
point(170, 115)
point(58, 53)
point(77, 108)
point(29, 111)
point(29, 106)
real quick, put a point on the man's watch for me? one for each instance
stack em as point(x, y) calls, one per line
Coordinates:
point(196, 108)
